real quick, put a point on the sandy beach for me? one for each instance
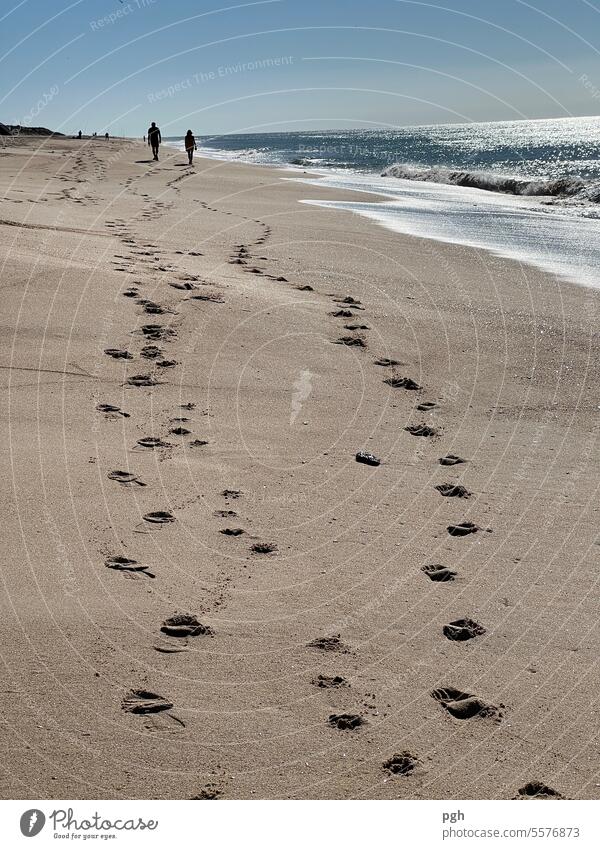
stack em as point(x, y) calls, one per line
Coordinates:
point(206, 466)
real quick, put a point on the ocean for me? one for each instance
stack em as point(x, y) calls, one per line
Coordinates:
point(528, 190)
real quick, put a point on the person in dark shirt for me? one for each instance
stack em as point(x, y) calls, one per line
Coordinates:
point(154, 139)
point(190, 146)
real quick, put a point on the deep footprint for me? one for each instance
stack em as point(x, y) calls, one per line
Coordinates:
point(159, 517)
point(142, 380)
point(462, 629)
point(333, 643)
point(401, 763)
point(144, 701)
point(421, 430)
point(184, 625)
point(125, 564)
point(437, 572)
point(463, 529)
point(110, 408)
point(345, 721)
point(329, 681)
point(125, 478)
point(263, 548)
point(464, 705)
point(351, 341)
point(118, 354)
point(449, 490)
point(402, 383)
point(152, 442)
point(537, 790)
point(451, 460)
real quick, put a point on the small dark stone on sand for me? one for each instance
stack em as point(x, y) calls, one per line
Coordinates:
point(367, 458)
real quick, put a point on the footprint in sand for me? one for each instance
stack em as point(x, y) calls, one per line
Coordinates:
point(329, 681)
point(150, 352)
point(397, 382)
point(231, 493)
point(112, 410)
point(401, 763)
point(342, 314)
point(147, 703)
point(386, 362)
point(167, 363)
point(142, 380)
point(462, 629)
point(180, 431)
point(437, 572)
point(185, 625)
point(465, 705)
point(184, 284)
point(537, 790)
point(211, 791)
point(367, 458)
point(449, 490)
point(225, 514)
point(125, 564)
point(152, 442)
point(421, 430)
point(263, 548)
point(159, 517)
point(426, 406)
point(353, 302)
point(198, 443)
point(333, 643)
point(125, 478)
point(351, 341)
point(356, 327)
point(118, 354)
point(345, 721)
point(451, 460)
point(157, 331)
point(232, 532)
point(463, 529)
point(211, 297)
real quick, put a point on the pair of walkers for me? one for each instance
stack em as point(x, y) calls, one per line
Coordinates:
point(155, 138)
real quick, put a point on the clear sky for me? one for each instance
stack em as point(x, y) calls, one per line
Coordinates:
point(219, 66)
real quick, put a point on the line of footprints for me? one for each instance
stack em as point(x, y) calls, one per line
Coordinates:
point(179, 628)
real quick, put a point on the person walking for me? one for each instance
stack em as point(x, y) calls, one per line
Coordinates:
point(190, 146)
point(154, 139)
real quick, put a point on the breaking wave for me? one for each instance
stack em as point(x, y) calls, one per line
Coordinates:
point(564, 187)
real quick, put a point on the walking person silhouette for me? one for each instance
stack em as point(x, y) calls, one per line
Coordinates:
point(154, 139)
point(190, 146)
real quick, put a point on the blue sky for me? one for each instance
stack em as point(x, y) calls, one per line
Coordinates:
point(294, 64)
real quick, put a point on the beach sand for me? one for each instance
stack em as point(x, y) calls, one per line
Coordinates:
point(508, 355)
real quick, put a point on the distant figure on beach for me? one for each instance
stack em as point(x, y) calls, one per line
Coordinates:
point(106, 136)
point(144, 139)
point(190, 146)
point(154, 139)
point(79, 134)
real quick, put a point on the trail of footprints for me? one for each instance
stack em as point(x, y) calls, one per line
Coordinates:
point(177, 630)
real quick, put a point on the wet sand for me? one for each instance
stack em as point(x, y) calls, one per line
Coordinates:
point(206, 466)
